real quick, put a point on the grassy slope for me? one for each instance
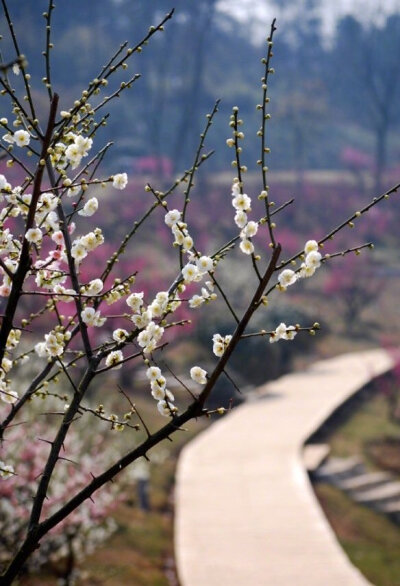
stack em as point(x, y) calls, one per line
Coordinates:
point(371, 541)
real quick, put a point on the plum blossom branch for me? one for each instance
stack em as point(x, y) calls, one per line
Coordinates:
point(48, 47)
point(24, 260)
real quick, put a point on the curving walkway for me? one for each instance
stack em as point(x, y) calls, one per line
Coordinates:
point(246, 514)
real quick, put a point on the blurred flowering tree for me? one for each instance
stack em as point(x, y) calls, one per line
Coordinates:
point(84, 529)
point(48, 243)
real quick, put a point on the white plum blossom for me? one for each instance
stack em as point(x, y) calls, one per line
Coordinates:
point(135, 301)
point(249, 230)
point(235, 188)
point(283, 332)
point(156, 308)
point(73, 155)
point(72, 191)
point(120, 181)
point(66, 295)
point(47, 203)
point(79, 148)
point(8, 138)
point(187, 243)
point(190, 272)
point(157, 392)
point(310, 246)
point(241, 202)
point(94, 287)
point(166, 408)
point(172, 217)
point(84, 144)
point(220, 343)
point(78, 250)
point(178, 233)
point(246, 246)
point(153, 373)
point(158, 383)
point(142, 320)
point(4, 185)
point(21, 138)
point(6, 470)
point(196, 301)
point(34, 235)
point(93, 239)
point(13, 339)
point(162, 298)
point(199, 375)
point(40, 349)
point(6, 365)
point(313, 259)
point(114, 358)
point(205, 264)
point(119, 335)
point(155, 330)
point(240, 219)
point(286, 278)
point(90, 207)
point(9, 396)
point(91, 317)
point(51, 222)
point(148, 338)
point(305, 271)
point(54, 343)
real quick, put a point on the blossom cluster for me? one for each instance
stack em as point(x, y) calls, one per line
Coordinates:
point(248, 228)
point(283, 332)
point(46, 236)
point(163, 396)
point(220, 343)
point(20, 138)
point(312, 261)
point(198, 266)
point(88, 527)
point(8, 394)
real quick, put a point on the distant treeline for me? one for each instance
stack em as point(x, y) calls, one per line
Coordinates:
point(332, 106)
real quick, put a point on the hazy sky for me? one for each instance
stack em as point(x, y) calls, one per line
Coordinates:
point(258, 13)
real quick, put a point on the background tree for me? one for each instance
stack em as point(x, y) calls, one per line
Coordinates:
point(366, 83)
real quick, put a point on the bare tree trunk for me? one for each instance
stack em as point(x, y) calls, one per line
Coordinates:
point(193, 94)
point(381, 138)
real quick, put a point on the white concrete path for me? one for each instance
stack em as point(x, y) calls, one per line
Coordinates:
point(246, 514)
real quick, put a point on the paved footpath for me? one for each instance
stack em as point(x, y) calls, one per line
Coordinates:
point(246, 514)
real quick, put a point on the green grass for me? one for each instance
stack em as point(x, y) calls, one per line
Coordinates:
point(370, 422)
point(370, 540)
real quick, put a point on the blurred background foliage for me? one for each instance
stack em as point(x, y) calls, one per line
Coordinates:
point(330, 93)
